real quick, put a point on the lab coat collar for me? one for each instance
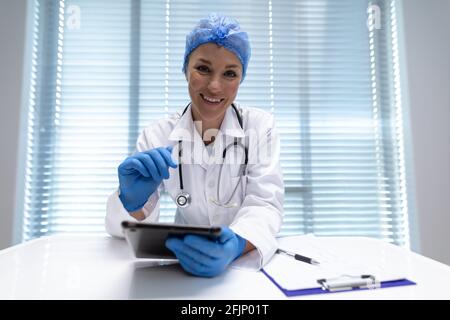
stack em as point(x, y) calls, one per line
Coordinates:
point(230, 124)
point(185, 130)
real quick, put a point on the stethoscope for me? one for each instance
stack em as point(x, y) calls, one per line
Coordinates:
point(183, 199)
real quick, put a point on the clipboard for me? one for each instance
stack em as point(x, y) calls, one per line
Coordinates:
point(352, 284)
point(346, 265)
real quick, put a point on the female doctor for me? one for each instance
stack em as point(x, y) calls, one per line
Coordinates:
point(241, 189)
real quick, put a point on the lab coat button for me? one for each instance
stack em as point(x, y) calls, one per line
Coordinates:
point(211, 184)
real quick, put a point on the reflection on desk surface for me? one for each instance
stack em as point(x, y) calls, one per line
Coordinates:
point(169, 282)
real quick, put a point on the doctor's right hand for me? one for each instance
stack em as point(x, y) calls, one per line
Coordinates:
point(141, 174)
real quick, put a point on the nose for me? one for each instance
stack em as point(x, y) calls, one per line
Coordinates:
point(215, 85)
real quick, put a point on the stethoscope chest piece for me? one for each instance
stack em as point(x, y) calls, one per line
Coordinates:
point(183, 200)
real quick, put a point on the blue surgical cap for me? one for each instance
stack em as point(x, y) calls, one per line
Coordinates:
point(223, 31)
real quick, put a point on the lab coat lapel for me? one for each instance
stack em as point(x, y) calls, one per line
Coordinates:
point(230, 125)
point(194, 150)
point(192, 144)
point(229, 131)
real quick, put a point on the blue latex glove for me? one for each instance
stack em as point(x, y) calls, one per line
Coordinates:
point(141, 174)
point(206, 257)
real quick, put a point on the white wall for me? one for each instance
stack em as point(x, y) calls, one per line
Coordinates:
point(12, 35)
point(427, 52)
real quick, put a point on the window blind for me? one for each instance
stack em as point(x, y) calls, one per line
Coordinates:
point(103, 70)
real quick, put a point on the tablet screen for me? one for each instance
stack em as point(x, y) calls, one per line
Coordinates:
point(147, 240)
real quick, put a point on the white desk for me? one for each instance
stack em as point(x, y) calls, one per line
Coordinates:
point(75, 267)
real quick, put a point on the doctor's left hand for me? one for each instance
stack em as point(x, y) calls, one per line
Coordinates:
point(205, 257)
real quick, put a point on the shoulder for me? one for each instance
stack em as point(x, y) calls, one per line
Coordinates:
point(156, 133)
point(163, 125)
point(256, 118)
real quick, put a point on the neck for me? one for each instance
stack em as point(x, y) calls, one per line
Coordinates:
point(208, 130)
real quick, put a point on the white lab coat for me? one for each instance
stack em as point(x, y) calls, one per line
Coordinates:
point(258, 215)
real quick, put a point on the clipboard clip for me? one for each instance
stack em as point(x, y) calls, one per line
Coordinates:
point(347, 282)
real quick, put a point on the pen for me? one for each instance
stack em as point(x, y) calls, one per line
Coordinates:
point(298, 257)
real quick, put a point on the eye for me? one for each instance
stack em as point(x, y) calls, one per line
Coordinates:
point(202, 68)
point(230, 74)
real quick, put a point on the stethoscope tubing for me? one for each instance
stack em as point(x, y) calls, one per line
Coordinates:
point(183, 199)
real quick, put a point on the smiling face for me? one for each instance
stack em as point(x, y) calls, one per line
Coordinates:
point(213, 76)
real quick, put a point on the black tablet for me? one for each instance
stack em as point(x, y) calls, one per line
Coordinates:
point(148, 239)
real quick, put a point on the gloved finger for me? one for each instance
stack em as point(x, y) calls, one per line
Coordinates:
point(167, 157)
point(173, 243)
point(160, 163)
point(132, 164)
point(177, 247)
point(170, 149)
point(180, 246)
point(190, 265)
point(202, 244)
point(149, 164)
point(226, 235)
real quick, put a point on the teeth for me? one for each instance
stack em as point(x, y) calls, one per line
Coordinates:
point(211, 99)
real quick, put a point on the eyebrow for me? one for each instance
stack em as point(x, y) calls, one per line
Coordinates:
point(228, 66)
